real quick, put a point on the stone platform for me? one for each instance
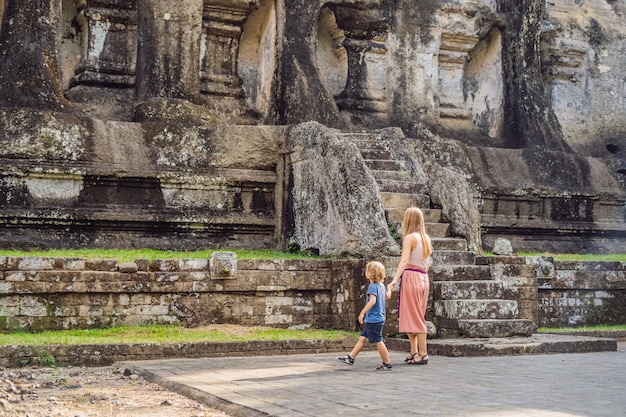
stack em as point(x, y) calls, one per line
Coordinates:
point(107, 354)
point(535, 344)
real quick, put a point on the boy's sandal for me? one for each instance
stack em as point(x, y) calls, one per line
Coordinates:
point(348, 360)
point(384, 367)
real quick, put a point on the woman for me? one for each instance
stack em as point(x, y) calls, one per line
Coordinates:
point(413, 269)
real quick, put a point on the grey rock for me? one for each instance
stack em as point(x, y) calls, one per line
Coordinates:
point(502, 247)
point(336, 205)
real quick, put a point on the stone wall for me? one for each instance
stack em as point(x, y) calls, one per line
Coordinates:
point(63, 293)
point(518, 280)
point(60, 293)
point(581, 293)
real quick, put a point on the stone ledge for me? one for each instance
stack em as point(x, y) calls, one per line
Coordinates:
point(535, 344)
point(107, 354)
point(618, 335)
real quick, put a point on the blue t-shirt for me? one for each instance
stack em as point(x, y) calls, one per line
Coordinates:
point(377, 313)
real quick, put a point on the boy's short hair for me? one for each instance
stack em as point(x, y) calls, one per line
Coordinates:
point(376, 271)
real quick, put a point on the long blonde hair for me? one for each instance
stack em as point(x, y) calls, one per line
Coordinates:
point(413, 222)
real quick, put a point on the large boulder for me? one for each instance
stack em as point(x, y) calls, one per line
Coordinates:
point(335, 202)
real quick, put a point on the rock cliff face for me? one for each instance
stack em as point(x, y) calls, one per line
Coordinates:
point(159, 123)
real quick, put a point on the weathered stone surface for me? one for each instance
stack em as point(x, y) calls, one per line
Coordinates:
point(298, 59)
point(335, 203)
point(223, 265)
point(168, 48)
point(502, 247)
point(128, 267)
point(30, 55)
point(497, 328)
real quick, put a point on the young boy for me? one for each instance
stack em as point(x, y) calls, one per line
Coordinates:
point(373, 317)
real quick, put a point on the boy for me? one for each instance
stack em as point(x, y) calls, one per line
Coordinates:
point(373, 317)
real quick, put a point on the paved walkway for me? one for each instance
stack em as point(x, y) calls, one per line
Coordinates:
point(548, 385)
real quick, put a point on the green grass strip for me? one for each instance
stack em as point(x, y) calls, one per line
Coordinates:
point(166, 334)
point(127, 255)
point(586, 257)
point(598, 328)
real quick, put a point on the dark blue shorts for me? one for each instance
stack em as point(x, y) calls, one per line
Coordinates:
point(373, 332)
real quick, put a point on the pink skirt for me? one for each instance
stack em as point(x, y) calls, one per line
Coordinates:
point(414, 288)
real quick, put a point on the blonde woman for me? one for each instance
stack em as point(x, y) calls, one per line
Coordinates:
point(412, 273)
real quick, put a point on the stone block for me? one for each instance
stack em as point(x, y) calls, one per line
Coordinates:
point(476, 309)
point(590, 266)
point(16, 276)
point(459, 272)
point(35, 264)
point(32, 306)
point(496, 328)
point(193, 264)
point(223, 265)
point(450, 290)
point(311, 280)
point(265, 265)
point(164, 265)
point(29, 287)
point(96, 264)
point(73, 264)
point(142, 264)
point(127, 267)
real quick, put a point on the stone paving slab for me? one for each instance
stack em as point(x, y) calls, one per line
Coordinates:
point(590, 384)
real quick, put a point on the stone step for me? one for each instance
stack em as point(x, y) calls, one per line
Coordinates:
point(449, 244)
point(443, 258)
point(395, 186)
point(369, 143)
point(467, 290)
point(449, 250)
point(383, 164)
point(496, 328)
point(460, 273)
point(375, 154)
point(452, 257)
point(440, 231)
point(401, 201)
point(476, 309)
point(396, 215)
point(390, 175)
point(437, 231)
point(355, 136)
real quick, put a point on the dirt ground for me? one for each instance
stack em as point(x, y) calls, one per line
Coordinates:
point(109, 391)
point(88, 392)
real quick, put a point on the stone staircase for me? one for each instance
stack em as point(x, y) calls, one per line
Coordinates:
point(466, 299)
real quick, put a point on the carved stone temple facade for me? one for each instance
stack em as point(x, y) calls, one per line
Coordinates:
point(312, 124)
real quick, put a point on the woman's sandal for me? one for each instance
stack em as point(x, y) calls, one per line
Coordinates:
point(410, 359)
point(423, 360)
